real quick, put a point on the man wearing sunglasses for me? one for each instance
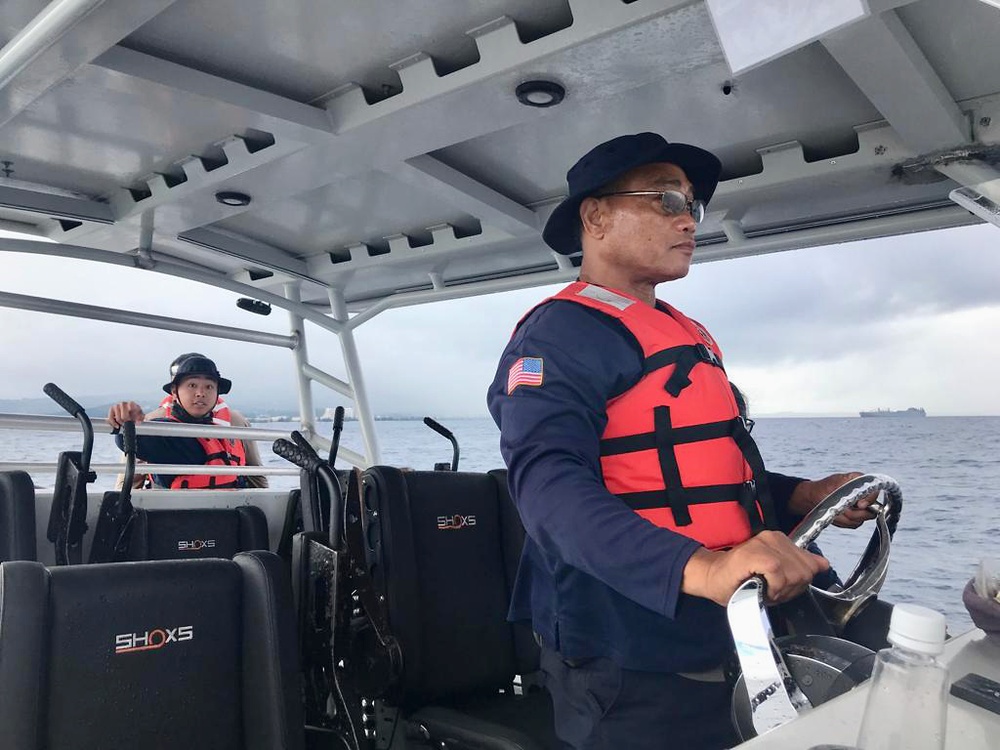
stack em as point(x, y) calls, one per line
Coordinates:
point(644, 498)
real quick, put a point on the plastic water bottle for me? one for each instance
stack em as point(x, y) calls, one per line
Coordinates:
point(908, 698)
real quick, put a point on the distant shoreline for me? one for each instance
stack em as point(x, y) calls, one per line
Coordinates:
point(98, 406)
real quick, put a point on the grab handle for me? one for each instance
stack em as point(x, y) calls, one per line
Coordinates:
point(60, 396)
point(444, 432)
point(128, 445)
point(302, 458)
point(338, 427)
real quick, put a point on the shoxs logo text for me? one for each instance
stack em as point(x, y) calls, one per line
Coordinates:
point(195, 545)
point(456, 521)
point(151, 640)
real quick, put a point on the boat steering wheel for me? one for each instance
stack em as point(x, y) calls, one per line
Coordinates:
point(866, 580)
point(782, 677)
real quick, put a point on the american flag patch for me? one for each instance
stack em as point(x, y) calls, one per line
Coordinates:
point(526, 371)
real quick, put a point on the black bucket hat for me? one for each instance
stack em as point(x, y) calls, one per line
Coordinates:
point(191, 364)
point(609, 161)
point(180, 358)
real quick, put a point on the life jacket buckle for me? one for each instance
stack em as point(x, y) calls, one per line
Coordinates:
point(706, 355)
point(748, 499)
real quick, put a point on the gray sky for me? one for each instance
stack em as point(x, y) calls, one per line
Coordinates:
point(898, 322)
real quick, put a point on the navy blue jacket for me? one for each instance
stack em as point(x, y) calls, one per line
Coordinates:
point(595, 578)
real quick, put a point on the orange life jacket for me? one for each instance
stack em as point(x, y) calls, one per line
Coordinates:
point(676, 449)
point(218, 452)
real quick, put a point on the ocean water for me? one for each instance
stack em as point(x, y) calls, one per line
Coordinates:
point(947, 467)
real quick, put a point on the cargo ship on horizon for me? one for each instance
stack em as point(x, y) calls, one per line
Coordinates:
point(911, 412)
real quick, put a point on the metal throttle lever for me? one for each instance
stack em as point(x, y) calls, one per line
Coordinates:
point(775, 697)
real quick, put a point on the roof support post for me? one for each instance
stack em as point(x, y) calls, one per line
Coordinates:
point(348, 347)
point(298, 330)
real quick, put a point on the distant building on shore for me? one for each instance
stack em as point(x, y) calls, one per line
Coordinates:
point(327, 415)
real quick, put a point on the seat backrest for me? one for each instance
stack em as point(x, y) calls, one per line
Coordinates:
point(17, 516)
point(526, 650)
point(439, 555)
point(195, 653)
point(181, 534)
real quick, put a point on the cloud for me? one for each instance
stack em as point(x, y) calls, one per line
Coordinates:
point(902, 321)
point(815, 304)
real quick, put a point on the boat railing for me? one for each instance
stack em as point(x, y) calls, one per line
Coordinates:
point(170, 469)
point(42, 423)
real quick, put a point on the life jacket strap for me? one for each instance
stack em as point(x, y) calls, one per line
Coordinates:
point(756, 497)
point(651, 499)
point(213, 484)
point(647, 440)
point(677, 497)
point(225, 456)
point(684, 358)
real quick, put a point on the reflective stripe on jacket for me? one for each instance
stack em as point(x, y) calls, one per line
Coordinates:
point(675, 448)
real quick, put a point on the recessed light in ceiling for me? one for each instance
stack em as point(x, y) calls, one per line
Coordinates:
point(231, 198)
point(540, 93)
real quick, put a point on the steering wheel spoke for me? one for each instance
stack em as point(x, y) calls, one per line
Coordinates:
point(866, 580)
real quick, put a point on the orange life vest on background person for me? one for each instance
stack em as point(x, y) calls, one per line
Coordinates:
point(675, 448)
point(218, 452)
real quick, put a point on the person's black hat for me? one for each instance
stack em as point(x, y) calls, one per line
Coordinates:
point(192, 363)
point(180, 358)
point(609, 161)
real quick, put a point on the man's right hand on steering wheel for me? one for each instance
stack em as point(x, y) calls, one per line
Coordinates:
point(787, 569)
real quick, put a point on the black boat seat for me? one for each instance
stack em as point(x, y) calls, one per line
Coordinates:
point(444, 552)
point(17, 516)
point(162, 654)
point(182, 533)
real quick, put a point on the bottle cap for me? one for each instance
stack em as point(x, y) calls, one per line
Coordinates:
point(917, 628)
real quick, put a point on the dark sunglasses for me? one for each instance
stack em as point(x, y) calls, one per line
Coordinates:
point(673, 202)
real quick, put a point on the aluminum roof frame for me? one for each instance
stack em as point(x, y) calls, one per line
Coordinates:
point(443, 180)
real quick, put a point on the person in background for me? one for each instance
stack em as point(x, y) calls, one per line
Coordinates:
point(194, 397)
point(644, 498)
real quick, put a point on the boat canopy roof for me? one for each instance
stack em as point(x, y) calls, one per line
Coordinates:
point(379, 148)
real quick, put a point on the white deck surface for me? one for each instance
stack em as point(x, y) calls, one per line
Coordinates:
point(837, 722)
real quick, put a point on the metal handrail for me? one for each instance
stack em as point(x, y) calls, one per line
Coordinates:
point(40, 33)
point(42, 423)
point(130, 317)
point(172, 469)
point(168, 429)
